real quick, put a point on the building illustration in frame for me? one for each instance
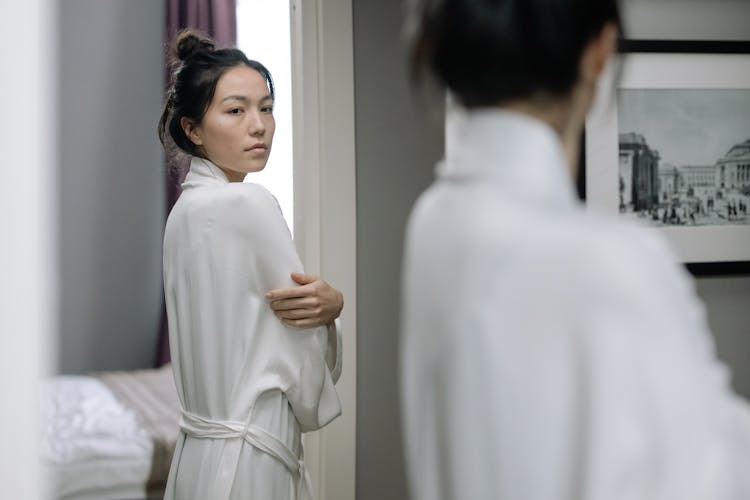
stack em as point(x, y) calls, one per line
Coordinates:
point(684, 156)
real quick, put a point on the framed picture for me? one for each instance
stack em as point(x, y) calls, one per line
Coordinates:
point(668, 144)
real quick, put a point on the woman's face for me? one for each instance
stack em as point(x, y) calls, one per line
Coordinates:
point(237, 130)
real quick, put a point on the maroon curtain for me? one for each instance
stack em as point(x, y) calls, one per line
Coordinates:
point(217, 18)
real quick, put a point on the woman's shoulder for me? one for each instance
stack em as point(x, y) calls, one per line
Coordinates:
point(234, 198)
point(616, 235)
point(243, 193)
point(235, 207)
point(590, 250)
point(259, 193)
point(615, 253)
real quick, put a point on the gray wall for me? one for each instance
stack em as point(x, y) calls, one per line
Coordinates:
point(110, 183)
point(687, 19)
point(727, 301)
point(395, 153)
point(396, 150)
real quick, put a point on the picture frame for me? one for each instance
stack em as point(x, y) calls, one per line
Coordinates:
point(686, 108)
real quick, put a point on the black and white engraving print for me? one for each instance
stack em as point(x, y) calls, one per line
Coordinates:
point(684, 156)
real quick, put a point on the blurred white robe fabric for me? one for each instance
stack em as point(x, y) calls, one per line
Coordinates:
point(551, 353)
point(248, 384)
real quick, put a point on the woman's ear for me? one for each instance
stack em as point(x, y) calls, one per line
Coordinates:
point(598, 52)
point(191, 130)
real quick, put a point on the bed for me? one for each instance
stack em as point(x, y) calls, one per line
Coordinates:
point(110, 435)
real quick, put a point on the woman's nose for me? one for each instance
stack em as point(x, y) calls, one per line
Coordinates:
point(256, 126)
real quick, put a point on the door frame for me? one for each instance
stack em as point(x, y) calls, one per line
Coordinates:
point(28, 195)
point(325, 207)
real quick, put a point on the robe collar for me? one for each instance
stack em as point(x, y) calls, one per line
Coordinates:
point(204, 173)
point(516, 153)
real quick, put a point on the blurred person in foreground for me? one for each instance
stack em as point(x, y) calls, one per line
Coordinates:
point(548, 352)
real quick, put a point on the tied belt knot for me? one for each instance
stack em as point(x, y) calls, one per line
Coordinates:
point(205, 428)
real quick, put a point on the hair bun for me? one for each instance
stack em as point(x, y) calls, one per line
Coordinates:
point(190, 42)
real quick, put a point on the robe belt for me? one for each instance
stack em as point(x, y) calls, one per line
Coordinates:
point(204, 428)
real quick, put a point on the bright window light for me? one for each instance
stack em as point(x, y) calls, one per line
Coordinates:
point(263, 34)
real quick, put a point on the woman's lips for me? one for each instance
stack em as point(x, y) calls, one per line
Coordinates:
point(257, 148)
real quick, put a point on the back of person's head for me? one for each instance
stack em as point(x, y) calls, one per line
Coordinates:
point(487, 52)
point(197, 67)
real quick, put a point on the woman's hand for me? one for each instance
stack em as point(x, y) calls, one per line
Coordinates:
point(313, 303)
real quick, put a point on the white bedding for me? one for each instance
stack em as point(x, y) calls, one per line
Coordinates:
point(101, 479)
point(84, 421)
point(94, 446)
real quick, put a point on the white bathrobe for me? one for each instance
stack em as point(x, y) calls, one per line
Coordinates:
point(550, 353)
point(248, 384)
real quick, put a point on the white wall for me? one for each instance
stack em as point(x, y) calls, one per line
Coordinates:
point(111, 182)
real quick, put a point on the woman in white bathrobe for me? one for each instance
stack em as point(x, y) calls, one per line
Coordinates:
point(548, 352)
point(255, 346)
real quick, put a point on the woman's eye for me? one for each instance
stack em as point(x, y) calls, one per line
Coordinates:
point(267, 109)
point(235, 111)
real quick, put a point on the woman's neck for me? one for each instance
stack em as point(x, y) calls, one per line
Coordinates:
point(231, 175)
point(565, 115)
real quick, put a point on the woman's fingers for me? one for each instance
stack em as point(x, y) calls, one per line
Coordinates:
point(299, 314)
point(305, 279)
point(290, 293)
point(301, 303)
point(313, 303)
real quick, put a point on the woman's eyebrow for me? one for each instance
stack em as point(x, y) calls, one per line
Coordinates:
point(267, 97)
point(236, 97)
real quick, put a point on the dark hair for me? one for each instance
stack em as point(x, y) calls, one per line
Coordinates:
point(197, 68)
point(490, 51)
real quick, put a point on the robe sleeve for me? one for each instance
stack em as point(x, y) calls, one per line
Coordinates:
point(258, 247)
point(689, 423)
point(608, 386)
point(654, 405)
point(334, 352)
